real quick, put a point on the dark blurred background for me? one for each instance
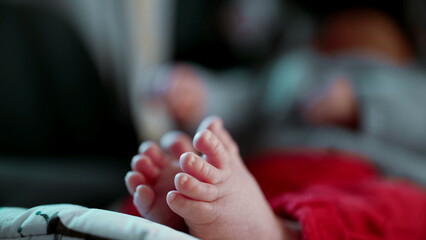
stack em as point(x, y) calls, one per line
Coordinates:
point(205, 30)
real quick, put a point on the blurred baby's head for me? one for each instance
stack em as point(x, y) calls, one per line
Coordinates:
point(366, 32)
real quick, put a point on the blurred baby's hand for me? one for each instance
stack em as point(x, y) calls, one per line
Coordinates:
point(334, 105)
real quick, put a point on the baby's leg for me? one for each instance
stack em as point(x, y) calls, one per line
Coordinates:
point(216, 195)
point(152, 177)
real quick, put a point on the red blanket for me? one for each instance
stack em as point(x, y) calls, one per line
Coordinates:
point(335, 196)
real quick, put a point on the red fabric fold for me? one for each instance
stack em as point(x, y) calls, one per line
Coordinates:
point(335, 196)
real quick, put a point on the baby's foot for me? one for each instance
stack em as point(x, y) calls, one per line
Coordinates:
point(152, 177)
point(216, 195)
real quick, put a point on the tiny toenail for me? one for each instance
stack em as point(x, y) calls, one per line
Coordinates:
point(208, 135)
point(128, 174)
point(138, 188)
point(191, 161)
point(144, 146)
point(184, 179)
point(134, 158)
point(172, 196)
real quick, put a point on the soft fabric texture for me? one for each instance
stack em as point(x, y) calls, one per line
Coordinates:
point(65, 221)
point(335, 196)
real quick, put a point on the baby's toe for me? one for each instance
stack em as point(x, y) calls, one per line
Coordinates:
point(153, 151)
point(191, 210)
point(133, 180)
point(143, 199)
point(144, 165)
point(194, 189)
point(211, 146)
point(197, 167)
point(215, 124)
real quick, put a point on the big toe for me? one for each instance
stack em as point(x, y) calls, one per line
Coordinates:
point(215, 124)
point(213, 148)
